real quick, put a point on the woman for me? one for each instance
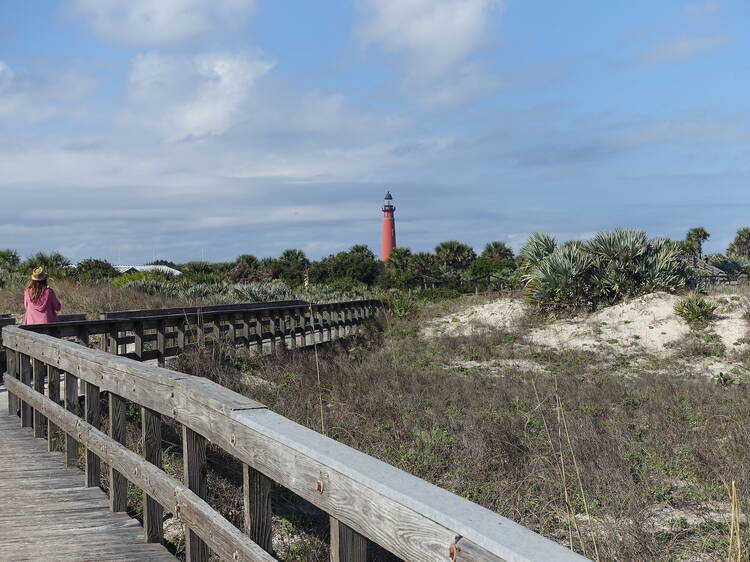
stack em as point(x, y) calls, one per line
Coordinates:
point(40, 301)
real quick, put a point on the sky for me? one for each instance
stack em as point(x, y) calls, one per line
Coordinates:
point(197, 129)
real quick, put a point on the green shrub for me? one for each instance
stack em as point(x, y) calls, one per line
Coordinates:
point(695, 309)
point(401, 304)
point(130, 279)
point(611, 266)
point(92, 269)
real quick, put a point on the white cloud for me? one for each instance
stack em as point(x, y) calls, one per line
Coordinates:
point(28, 96)
point(160, 22)
point(193, 97)
point(436, 38)
point(682, 49)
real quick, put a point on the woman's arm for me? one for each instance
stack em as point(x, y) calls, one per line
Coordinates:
point(55, 302)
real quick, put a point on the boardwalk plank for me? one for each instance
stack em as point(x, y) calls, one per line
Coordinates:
point(48, 513)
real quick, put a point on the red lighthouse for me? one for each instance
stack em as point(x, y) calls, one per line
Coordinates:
point(389, 227)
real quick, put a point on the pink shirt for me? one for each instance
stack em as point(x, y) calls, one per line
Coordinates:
point(44, 311)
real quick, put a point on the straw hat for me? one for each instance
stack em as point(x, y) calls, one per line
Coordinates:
point(39, 274)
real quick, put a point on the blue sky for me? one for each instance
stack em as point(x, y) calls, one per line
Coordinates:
point(193, 128)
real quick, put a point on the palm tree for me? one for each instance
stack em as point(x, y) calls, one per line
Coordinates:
point(741, 244)
point(422, 263)
point(697, 236)
point(453, 253)
point(399, 259)
point(497, 250)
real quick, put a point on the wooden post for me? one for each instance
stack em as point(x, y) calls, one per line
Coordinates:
point(259, 332)
point(281, 326)
point(114, 334)
point(71, 404)
point(180, 328)
point(292, 327)
point(305, 325)
point(104, 343)
point(336, 321)
point(40, 372)
point(26, 410)
point(92, 405)
point(347, 545)
point(53, 388)
point(272, 332)
point(83, 335)
point(11, 368)
point(232, 330)
point(152, 510)
point(161, 341)
point(138, 340)
point(118, 485)
point(257, 501)
point(245, 330)
point(194, 459)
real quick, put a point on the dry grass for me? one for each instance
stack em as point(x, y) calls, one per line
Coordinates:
point(641, 454)
point(79, 298)
point(620, 458)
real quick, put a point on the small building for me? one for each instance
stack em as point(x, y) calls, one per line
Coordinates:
point(158, 268)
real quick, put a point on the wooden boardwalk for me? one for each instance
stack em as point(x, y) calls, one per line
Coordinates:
point(48, 513)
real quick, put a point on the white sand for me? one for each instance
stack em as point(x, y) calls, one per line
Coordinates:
point(500, 314)
point(645, 323)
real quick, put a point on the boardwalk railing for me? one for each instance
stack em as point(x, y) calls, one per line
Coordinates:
point(165, 333)
point(366, 499)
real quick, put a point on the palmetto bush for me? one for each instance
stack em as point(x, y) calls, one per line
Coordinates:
point(611, 266)
point(187, 291)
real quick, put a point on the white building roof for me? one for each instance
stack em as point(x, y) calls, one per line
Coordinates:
point(160, 268)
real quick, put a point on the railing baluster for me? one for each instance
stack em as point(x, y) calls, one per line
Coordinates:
point(118, 485)
point(257, 502)
point(161, 341)
point(138, 340)
point(194, 459)
point(26, 410)
point(292, 325)
point(11, 359)
point(152, 510)
point(347, 545)
point(92, 413)
point(53, 390)
point(259, 333)
point(272, 332)
point(40, 371)
point(71, 404)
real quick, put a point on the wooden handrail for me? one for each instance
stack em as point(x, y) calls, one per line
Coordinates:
point(364, 497)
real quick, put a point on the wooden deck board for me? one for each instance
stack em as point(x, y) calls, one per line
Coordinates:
point(48, 513)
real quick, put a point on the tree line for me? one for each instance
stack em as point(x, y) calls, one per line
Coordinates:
point(450, 263)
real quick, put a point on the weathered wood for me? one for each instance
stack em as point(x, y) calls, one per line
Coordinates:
point(467, 551)
point(27, 413)
point(138, 341)
point(152, 509)
point(118, 485)
point(257, 504)
point(12, 366)
point(405, 515)
point(71, 405)
point(224, 539)
point(39, 370)
point(61, 520)
point(53, 391)
point(92, 416)
point(161, 341)
point(194, 459)
point(346, 544)
point(82, 335)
